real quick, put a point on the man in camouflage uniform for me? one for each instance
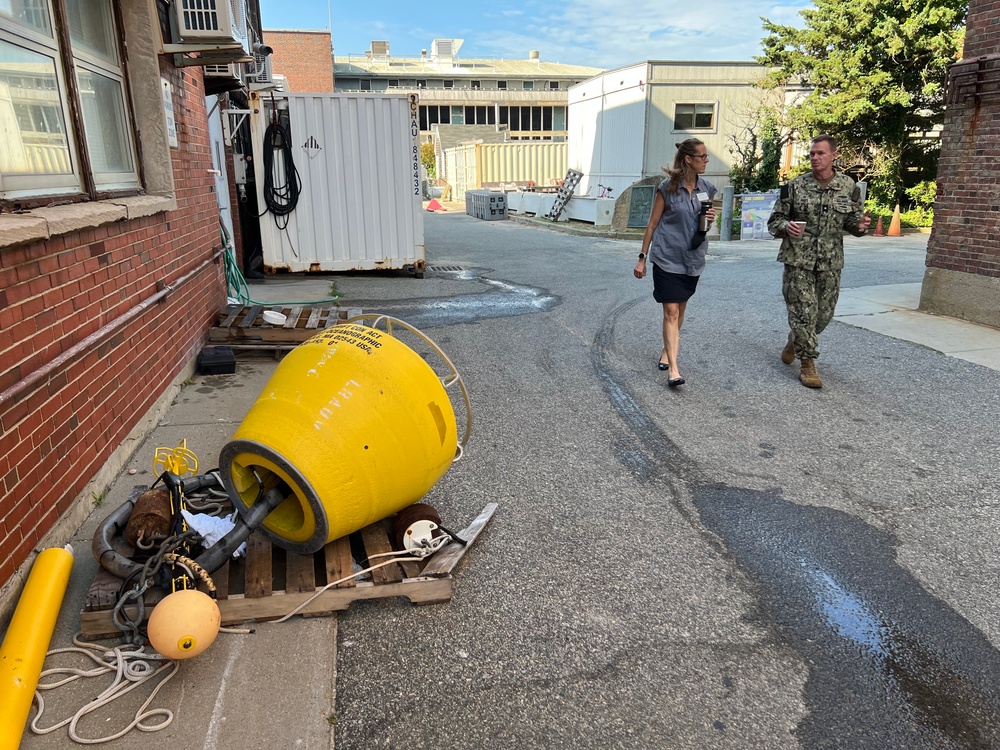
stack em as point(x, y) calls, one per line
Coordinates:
point(811, 215)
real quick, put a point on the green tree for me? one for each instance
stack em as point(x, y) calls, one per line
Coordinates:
point(428, 160)
point(875, 70)
point(756, 150)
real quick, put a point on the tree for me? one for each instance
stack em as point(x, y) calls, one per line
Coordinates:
point(756, 150)
point(428, 159)
point(876, 69)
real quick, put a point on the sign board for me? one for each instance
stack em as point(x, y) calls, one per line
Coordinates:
point(640, 206)
point(757, 209)
point(168, 111)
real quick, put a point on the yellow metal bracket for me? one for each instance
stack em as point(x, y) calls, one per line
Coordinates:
point(179, 460)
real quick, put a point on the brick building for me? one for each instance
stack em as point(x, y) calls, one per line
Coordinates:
point(303, 58)
point(963, 254)
point(110, 267)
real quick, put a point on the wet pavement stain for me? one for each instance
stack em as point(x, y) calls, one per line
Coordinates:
point(501, 299)
point(890, 665)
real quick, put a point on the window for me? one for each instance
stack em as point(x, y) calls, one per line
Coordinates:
point(502, 85)
point(457, 115)
point(365, 84)
point(694, 116)
point(421, 84)
point(67, 128)
point(434, 115)
point(553, 85)
point(393, 83)
point(478, 115)
point(475, 85)
point(449, 84)
point(527, 85)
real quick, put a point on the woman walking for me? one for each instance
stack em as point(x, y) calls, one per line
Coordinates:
point(676, 245)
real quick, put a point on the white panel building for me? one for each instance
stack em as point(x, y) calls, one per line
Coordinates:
point(625, 123)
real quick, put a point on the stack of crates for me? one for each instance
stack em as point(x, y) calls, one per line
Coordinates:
point(485, 204)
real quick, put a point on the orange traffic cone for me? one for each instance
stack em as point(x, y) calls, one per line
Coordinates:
point(878, 228)
point(894, 225)
point(435, 206)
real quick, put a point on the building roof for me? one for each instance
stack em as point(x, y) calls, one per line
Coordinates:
point(453, 135)
point(413, 67)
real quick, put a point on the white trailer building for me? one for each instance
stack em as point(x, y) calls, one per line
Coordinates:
point(624, 124)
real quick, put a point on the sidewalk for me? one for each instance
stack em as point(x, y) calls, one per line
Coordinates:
point(892, 311)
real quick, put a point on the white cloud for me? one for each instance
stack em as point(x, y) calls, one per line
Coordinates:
point(600, 33)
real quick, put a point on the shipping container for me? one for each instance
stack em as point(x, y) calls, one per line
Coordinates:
point(357, 201)
point(478, 165)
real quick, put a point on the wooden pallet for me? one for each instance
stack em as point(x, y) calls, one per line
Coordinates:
point(245, 324)
point(269, 582)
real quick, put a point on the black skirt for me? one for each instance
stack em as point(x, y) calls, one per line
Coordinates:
point(672, 287)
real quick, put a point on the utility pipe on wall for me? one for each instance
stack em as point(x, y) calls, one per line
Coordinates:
point(100, 334)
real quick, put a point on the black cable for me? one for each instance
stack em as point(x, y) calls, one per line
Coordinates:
point(280, 199)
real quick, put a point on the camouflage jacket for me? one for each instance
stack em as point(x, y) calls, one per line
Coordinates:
point(828, 213)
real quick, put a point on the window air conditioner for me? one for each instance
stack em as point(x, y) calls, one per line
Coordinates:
point(259, 71)
point(230, 71)
point(211, 21)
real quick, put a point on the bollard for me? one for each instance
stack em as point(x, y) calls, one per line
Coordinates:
point(726, 227)
point(22, 654)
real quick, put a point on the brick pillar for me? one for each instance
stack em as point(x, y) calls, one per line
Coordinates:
point(963, 254)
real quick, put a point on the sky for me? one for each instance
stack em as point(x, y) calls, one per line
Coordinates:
point(597, 33)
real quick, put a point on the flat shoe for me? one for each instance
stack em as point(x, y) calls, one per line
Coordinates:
point(674, 382)
point(663, 365)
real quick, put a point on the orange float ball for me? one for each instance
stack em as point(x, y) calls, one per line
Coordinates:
point(184, 624)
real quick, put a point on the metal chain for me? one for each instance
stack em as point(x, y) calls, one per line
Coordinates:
point(128, 625)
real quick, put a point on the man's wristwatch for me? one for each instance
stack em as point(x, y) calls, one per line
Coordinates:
point(642, 256)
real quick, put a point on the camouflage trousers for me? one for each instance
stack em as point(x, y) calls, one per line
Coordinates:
point(811, 297)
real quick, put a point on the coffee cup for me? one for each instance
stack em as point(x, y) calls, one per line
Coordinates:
point(800, 224)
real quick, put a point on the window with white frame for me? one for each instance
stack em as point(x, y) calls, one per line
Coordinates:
point(66, 125)
point(691, 116)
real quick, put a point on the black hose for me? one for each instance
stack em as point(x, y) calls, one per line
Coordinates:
point(280, 199)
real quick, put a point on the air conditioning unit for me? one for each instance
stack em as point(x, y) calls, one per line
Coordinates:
point(211, 21)
point(259, 74)
point(445, 49)
point(229, 72)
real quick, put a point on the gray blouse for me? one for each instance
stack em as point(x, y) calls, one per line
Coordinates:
point(670, 248)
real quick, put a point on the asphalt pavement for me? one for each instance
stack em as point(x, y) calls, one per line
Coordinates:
point(737, 563)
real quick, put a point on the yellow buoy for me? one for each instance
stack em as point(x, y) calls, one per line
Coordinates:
point(23, 651)
point(184, 624)
point(353, 426)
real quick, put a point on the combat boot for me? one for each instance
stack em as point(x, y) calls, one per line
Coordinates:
point(808, 374)
point(788, 353)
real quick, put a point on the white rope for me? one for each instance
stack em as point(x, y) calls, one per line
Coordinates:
point(132, 668)
point(412, 555)
point(353, 575)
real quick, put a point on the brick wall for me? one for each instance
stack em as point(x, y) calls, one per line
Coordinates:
point(57, 434)
point(982, 35)
point(305, 58)
point(966, 233)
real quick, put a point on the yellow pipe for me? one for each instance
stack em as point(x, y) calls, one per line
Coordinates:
point(27, 641)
